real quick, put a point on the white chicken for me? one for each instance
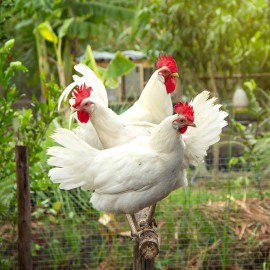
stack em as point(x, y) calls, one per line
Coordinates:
point(153, 105)
point(110, 128)
point(85, 129)
point(128, 177)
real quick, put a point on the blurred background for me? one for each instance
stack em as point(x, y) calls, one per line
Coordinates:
point(222, 220)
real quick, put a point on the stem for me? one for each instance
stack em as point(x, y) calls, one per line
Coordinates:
point(43, 63)
point(60, 66)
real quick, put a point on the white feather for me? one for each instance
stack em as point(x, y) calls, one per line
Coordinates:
point(65, 93)
point(209, 120)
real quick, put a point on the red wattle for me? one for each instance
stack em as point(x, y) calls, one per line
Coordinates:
point(170, 84)
point(83, 116)
point(183, 130)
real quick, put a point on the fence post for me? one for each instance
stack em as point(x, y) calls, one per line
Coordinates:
point(146, 247)
point(24, 209)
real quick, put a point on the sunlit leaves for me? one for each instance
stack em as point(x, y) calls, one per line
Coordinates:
point(64, 27)
point(120, 65)
point(230, 34)
point(47, 32)
point(9, 44)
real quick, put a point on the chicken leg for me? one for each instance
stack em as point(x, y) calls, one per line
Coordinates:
point(133, 224)
point(150, 217)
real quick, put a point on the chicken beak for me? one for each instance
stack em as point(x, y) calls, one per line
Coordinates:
point(73, 110)
point(175, 74)
point(191, 124)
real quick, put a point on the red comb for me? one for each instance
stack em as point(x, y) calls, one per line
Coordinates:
point(80, 94)
point(168, 61)
point(184, 109)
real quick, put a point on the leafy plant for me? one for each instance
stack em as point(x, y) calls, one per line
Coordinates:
point(207, 38)
point(26, 126)
point(57, 32)
point(9, 95)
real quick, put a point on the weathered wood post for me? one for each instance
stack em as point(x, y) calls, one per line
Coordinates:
point(24, 209)
point(146, 247)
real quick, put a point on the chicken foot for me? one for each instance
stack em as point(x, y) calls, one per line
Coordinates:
point(146, 221)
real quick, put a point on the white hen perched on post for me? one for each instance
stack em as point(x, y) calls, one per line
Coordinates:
point(128, 177)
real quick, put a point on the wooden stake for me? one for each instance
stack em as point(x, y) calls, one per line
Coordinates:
point(146, 247)
point(24, 209)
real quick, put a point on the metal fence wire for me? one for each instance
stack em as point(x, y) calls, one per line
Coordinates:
point(221, 221)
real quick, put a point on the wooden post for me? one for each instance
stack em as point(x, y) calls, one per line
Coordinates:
point(139, 262)
point(145, 247)
point(24, 209)
point(121, 92)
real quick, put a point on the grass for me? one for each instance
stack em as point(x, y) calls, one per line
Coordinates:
point(204, 238)
point(204, 226)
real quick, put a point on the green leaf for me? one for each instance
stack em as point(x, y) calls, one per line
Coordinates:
point(24, 23)
point(17, 65)
point(56, 205)
point(9, 44)
point(52, 219)
point(90, 60)
point(47, 32)
point(64, 28)
point(103, 9)
point(120, 65)
point(251, 85)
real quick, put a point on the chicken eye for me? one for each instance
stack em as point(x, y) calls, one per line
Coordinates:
point(165, 73)
point(86, 104)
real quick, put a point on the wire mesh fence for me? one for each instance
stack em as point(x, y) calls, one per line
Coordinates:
point(221, 221)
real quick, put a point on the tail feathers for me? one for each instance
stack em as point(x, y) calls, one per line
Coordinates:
point(78, 80)
point(90, 79)
point(70, 160)
point(59, 176)
point(209, 120)
point(70, 140)
point(65, 93)
point(222, 116)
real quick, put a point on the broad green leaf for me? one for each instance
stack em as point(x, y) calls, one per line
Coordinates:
point(64, 28)
point(89, 60)
point(120, 65)
point(24, 23)
point(47, 32)
point(103, 9)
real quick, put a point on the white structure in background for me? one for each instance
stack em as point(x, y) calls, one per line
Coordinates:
point(240, 99)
